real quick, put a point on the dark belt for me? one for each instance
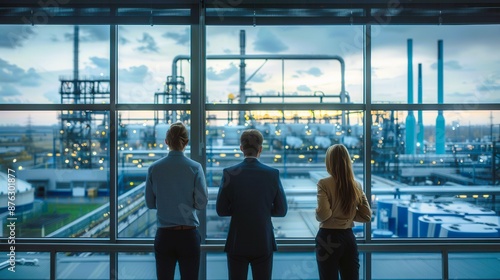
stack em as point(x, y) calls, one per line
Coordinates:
point(179, 228)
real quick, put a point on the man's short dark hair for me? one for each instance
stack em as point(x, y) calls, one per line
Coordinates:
point(251, 141)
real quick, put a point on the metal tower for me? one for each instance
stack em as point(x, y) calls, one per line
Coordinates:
point(83, 134)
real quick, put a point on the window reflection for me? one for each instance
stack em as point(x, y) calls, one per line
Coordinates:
point(82, 265)
point(468, 265)
point(28, 265)
point(403, 265)
point(138, 266)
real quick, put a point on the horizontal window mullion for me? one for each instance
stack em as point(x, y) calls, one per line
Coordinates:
point(306, 245)
point(444, 107)
point(54, 107)
point(160, 107)
point(283, 106)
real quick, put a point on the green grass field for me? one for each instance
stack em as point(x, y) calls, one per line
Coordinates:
point(52, 217)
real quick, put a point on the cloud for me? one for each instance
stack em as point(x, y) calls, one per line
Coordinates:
point(303, 88)
point(490, 84)
point(224, 74)
point(13, 36)
point(122, 34)
point(54, 39)
point(7, 90)
point(89, 33)
point(266, 41)
point(134, 74)
point(270, 93)
point(259, 78)
point(123, 41)
point(461, 95)
point(449, 65)
point(11, 73)
point(313, 71)
point(149, 44)
point(31, 78)
point(100, 62)
point(179, 38)
point(53, 96)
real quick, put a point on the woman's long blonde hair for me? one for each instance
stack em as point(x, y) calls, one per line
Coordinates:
point(338, 164)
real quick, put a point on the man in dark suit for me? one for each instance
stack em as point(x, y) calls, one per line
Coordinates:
point(251, 193)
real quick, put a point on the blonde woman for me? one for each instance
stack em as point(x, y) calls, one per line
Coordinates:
point(341, 201)
point(175, 186)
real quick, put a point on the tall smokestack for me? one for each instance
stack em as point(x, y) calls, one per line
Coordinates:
point(440, 124)
point(410, 119)
point(420, 134)
point(241, 119)
point(75, 52)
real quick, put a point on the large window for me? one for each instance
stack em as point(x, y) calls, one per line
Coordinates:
point(88, 91)
point(146, 59)
point(55, 64)
point(58, 166)
point(295, 143)
point(446, 66)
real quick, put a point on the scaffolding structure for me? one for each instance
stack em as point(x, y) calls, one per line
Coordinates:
point(83, 134)
point(174, 92)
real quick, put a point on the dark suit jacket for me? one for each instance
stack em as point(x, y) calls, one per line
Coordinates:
point(251, 193)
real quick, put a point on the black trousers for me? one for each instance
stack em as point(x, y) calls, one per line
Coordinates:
point(337, 251)
point(172, 246)
point(262, 267)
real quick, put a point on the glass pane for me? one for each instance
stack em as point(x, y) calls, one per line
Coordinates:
point(138, 266)
point(423, 167)
point(147, 57)
point(72, 69)
point(286, 266)
point(284, 64)
point(441, 56)
point(295, 143)
point(58, 163)
point(25, 265)
point(82, 265)
point(141, 141)
point(474, 265)
point(406, 266)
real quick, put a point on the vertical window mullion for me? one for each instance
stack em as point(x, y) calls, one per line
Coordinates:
point(367, 126)
point(198, 115)
point(113, 232)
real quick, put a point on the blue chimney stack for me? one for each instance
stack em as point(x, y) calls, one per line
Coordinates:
point(410, 119)
point(440, 124)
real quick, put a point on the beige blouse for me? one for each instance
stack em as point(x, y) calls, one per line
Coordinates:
point(328, 212)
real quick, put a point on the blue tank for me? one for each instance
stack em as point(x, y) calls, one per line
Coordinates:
point(382, 233)
point(467, 209)
point(386, 210)
point(417, 210)
point(392, 215)
point(492, 221)
point(402, 219)
point(430, 226)
point(468, 231)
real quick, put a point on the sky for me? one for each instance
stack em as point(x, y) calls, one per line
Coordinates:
point(33, 58)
